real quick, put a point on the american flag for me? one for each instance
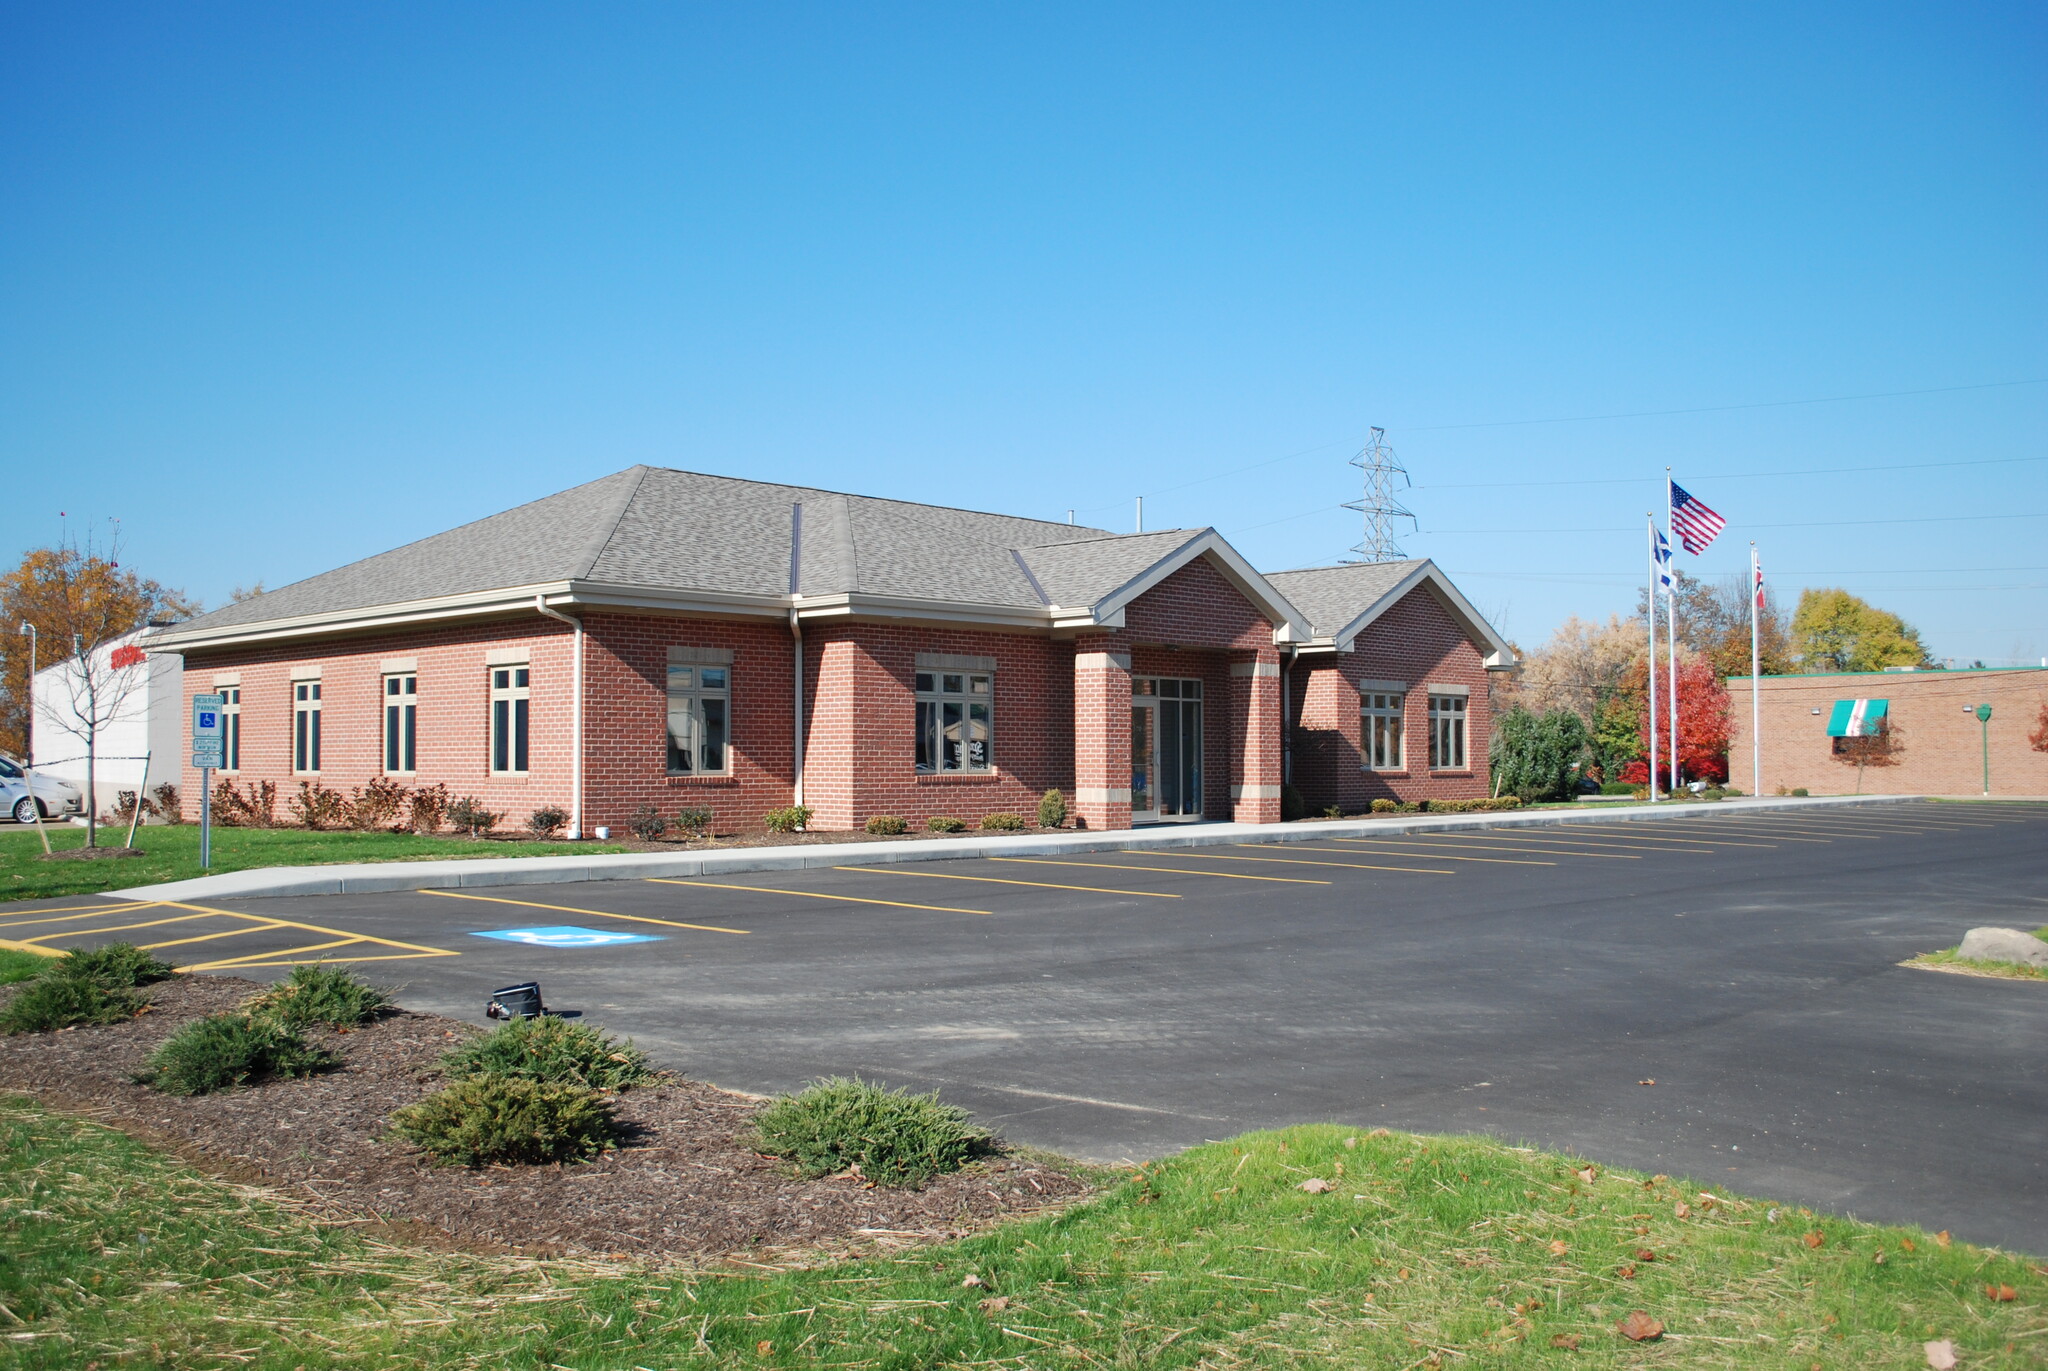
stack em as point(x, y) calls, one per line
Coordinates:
point(1695, 524)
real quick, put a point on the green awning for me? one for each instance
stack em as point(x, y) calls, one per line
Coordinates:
point(1857, 718)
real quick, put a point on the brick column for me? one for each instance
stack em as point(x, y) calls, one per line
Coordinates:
point(832, 730)
point(1255, 739)
point(1102, 737)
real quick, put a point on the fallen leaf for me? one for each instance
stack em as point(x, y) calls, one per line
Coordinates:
point(1942, 1238)
point(1659, 1178)
point(1586, 1174)
point(1941, 1355)
point(1648, 1082)
point(2002, 1294)
point(1878, 1256)
point(1816, 1239)
point(1640, 1327)
point(1907, 1244)
point(765, 1348)
point(972, 1281)
point(1351, 1142)
point(1315, 1185)
point(1771, 1215)
point(1627, 1273)
point(1381, 1133)
point(1404, 1273)
point(1682, 1210)
point(1559, 1247)
point(995, 1304)
point(1568, 1341)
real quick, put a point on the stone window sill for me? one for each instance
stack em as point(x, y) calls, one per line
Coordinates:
point(958, 778)
point(693, 782)
point(1390, 775)
point(1451, 771)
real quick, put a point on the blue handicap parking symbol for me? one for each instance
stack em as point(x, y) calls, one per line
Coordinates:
point(206, 719)
point(565, 936)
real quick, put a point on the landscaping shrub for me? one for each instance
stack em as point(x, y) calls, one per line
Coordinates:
point(1383, 806)
point(791, 819)
point(1052, 809)
point(168, 802)
point(428, 807)
point(223, 1051)
point(376, 806)
point(255, 808)
point(1532, 754)
point(1618, 788)
point(647, 824)
point(469, 812)
point(1799, 790)
point(1002, 823)
point(552, 1050)
point(887, 825)
point(55, 1001)
point(117, 966)
point(546, 821)
point(894, 1137)
point(693, 821)
point(945, 823)
point(482, 1120)
point(320, 994)
point(316, 807)
point(1333, 811)
point(124, 806)
point(1292, 805)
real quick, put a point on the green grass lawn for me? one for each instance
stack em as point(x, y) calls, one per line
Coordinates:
point(1424, 1252)
point(2018, 971)
point(173, 855)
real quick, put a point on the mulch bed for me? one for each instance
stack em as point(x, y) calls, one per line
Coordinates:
point(684, 1185)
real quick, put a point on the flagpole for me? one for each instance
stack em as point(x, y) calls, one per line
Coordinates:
point(1671, 625)
point(1756, 737)
point(1651, 521)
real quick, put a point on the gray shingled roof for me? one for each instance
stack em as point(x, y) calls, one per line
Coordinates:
point(1333, 596)
point(653, 528)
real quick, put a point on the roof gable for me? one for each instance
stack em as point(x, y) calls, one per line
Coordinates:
point(1342, 601)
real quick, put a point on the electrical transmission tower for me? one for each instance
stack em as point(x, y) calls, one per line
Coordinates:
point(1378, 504)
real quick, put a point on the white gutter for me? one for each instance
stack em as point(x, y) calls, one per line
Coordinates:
point(575, 718)
point(796, 635)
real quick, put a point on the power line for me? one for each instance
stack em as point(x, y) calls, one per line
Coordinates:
point(1819, 523)
point(1725, 409)
point(1732, 475)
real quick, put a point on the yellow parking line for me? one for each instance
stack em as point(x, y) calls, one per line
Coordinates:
point(74, 918)
point(1305, 861)
point(1497, 861)
point(209, 937)
point(1779, 827)
point(110, 907)
point(260, 958)
point(1175, 870)
point(116, 928)
point(12, 946)
point(271, 920)
point(571, 909)
point(1679, 826)
point(816, 895)
point(1641, 842)
point(1476, 839)
point(998, 880)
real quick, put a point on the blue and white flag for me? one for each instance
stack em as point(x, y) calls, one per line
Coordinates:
point(1663, 557)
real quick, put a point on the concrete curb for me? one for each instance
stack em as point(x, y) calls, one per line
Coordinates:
point(370, 878)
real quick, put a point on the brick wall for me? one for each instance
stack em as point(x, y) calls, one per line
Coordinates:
point(1936, 748)
point(453, 703)
point(1416, 642)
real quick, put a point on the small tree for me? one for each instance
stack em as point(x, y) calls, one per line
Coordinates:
point(2038, 739)
point(1879, 749)
point(1532, 754)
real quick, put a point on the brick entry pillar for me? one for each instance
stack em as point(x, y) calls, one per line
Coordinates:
point(1102, 738)
point(1255, 753)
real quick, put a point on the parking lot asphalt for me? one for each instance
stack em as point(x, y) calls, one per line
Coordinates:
point(1717, 997)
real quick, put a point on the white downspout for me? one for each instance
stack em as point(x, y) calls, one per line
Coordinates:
point(796, 633)
point(575, 717)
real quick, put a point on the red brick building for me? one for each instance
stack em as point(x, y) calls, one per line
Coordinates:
point(1929, 742)
point(667, 638)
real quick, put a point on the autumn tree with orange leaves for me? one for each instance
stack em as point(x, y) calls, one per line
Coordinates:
point(79, 599)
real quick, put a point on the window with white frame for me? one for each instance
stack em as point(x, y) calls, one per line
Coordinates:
point(306, 726)
point(1447, 732)
point(699, 714)
point(231, 721)
point(401, 723)
point(1380, 735)
point(954, 718)
point(509, 717)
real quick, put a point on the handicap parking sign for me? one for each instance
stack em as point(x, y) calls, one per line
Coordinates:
point(566, 936)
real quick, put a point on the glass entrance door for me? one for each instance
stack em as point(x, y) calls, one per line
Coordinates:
point(1166, 750)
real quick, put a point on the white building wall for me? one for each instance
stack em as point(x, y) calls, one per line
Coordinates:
point(149, 719)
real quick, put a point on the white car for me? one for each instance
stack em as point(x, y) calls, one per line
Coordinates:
point(57, 798)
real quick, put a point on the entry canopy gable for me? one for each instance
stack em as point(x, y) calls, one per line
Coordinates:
point(1094, 581)
point(1857, 718)
point(1344, 601)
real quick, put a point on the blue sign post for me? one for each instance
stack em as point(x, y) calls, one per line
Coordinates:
point(209, 750)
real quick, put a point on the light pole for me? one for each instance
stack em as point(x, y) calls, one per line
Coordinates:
point(28, 740)
point(1983, 713)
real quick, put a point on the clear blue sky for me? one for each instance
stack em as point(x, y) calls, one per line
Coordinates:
point(283, 286)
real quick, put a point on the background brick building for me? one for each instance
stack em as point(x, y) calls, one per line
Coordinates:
point(1934, 744)
point(671, 639)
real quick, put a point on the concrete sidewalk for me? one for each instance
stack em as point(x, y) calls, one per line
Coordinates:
point(367, 878)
